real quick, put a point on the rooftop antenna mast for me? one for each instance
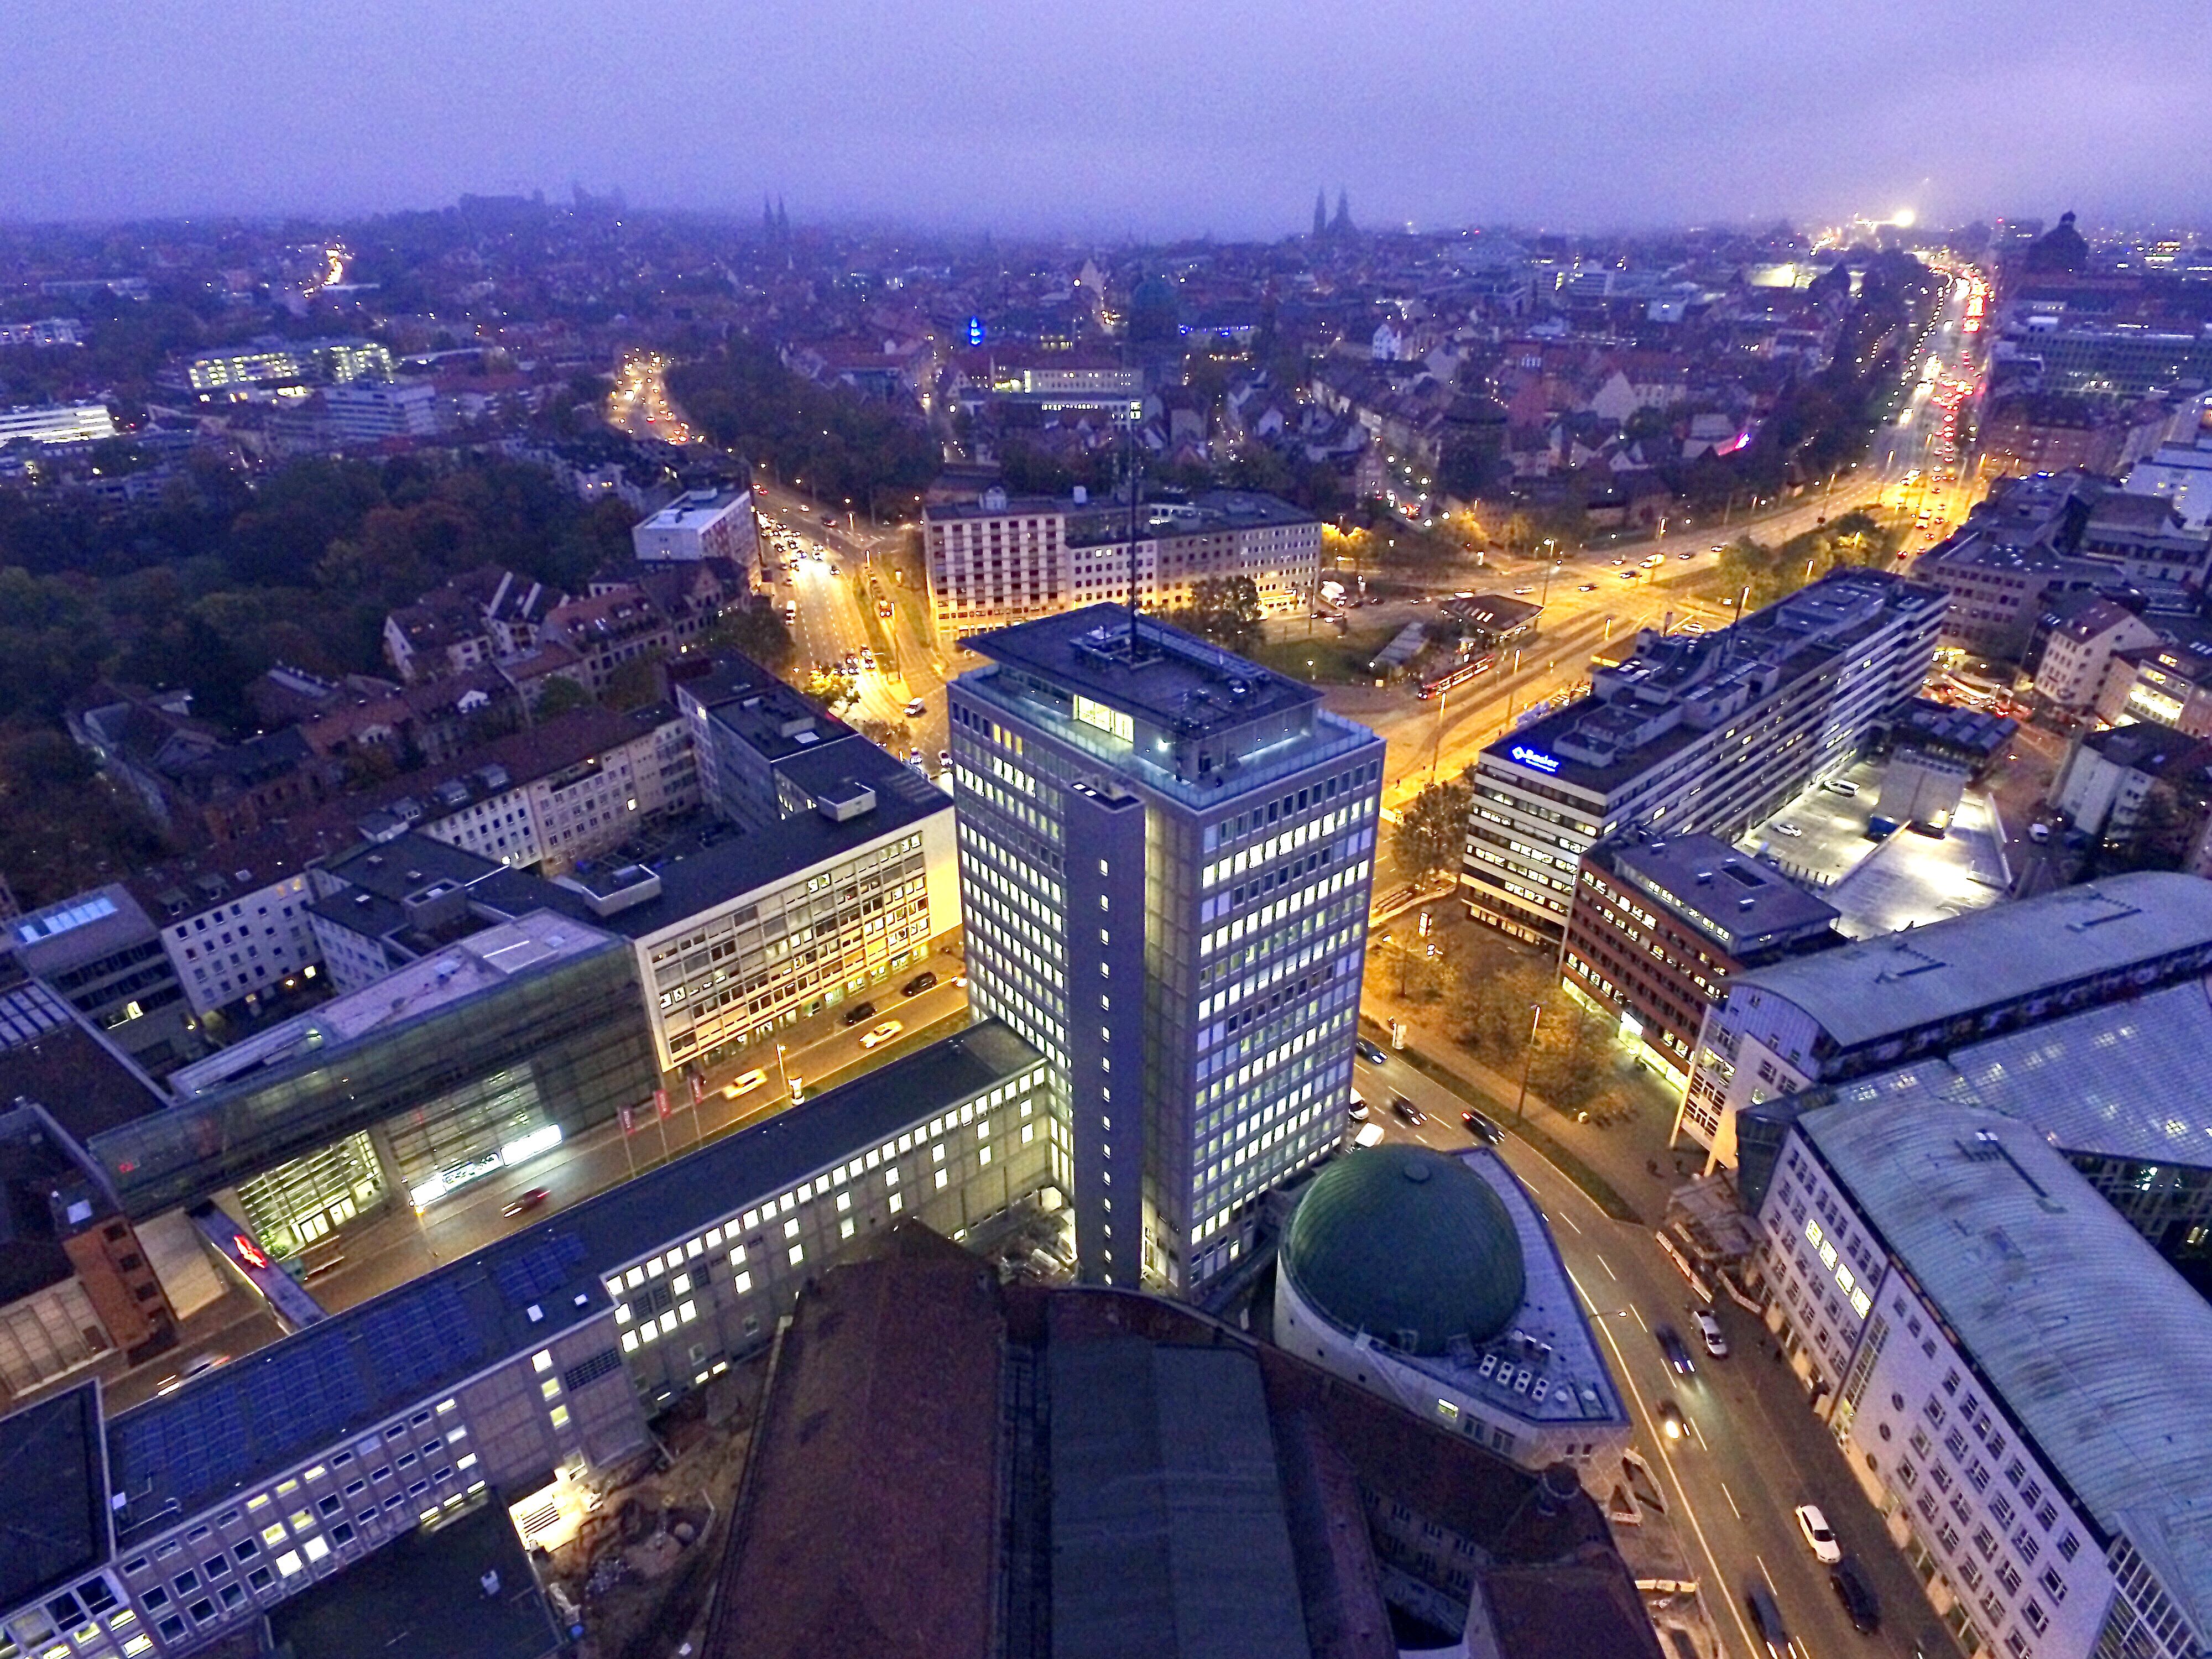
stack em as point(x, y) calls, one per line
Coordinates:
point(1129, 440)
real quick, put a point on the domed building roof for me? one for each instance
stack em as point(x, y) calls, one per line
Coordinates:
point(1409, 1245)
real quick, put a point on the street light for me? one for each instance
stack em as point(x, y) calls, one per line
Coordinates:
point(1528, 1059)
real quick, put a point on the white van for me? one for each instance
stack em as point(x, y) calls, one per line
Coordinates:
point(1370, 1135)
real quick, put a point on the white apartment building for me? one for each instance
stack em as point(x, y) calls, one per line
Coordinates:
point(1165, 856)
point(1001, 560)
point(57, 423)
point(369, 412)
point(700, 523)
point(1884, 1002)
point(2014, 1377)
point(247, 942)
point(573, 790)
point(1691, 733)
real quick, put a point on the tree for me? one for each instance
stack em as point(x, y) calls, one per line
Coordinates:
point(1495, 1007)
point(1573, 1044)
point(756, 629)
point(1430, 834)
point(561, 696)
point(1223, 609)
point(636, 684)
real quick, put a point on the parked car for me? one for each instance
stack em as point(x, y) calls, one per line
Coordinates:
point(881, 1034)
point(1370, 1135)
point(1481, 1128)
point(744, 1084)
point(2039, 833)
point(1405, 1110)
point(1677, 1352)
point(1818, 1538)
point(944, 759)
point(1587, 587)
point(862, 1012)
point(1840, 786)
point(1371, 1052)
point(922, 982)
point(1789, 829)
point(1357, 1111)
point(1856, 1591)
point(1766, 1620)
point(916, 708)
point(1709, 1328)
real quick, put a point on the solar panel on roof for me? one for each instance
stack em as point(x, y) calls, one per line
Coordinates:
point(414, 1335)
point(534, 1275)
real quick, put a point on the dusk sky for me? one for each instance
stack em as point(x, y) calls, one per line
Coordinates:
point(1156, 118)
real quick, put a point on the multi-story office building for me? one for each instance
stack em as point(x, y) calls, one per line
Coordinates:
point(2014, 1377)
point(700, 524)
point(1658, 927)
point(269, 363)
point(1866, 1007)
point(102, 951)
point(1165, 854)
point(57, 423)
point(999, 560)
point(737, 936)
point(1704, 733)
point(499, 1376)
point(365, 411)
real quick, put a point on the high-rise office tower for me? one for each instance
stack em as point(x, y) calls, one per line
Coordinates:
point(1165, 853)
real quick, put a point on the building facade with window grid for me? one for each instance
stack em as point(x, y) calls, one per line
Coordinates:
point(1165, 858)
point(1706, 733)
point(287, 1466)
point(1994, 1347)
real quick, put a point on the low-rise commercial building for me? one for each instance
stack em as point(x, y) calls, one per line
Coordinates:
point(1699, 733)
point(700, 524)
point(1434, 1281)
point(1659, 926)
point(368, 411)
point(77, 1292)
point(1094, 1473)
point(102, 952)
point(194, 1516)
point(1869, 1006)
point(1995, 1347)
point(2166, 685)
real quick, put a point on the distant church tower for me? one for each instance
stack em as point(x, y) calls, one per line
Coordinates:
point(1320, 213)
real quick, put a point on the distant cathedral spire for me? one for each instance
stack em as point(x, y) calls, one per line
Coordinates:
point(1342, 225)
point(1321, 212)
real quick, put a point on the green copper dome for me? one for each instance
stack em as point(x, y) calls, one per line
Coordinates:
point(1409, 1245)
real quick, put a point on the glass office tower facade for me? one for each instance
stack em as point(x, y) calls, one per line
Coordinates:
point(1165, 858)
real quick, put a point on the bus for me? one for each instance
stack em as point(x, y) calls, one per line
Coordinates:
point(1459, 675)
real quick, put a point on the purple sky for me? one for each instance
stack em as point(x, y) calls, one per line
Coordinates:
point(1148, 116)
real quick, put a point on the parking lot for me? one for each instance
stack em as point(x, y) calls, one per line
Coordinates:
point(1906, 880)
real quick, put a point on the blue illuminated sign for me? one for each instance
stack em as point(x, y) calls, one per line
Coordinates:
point(1537, 758)
point(974, 330)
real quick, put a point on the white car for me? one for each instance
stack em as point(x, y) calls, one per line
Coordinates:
point(1814, 1525)
point(881, 1034)
point(1709, 1328)
point(1789, 830)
